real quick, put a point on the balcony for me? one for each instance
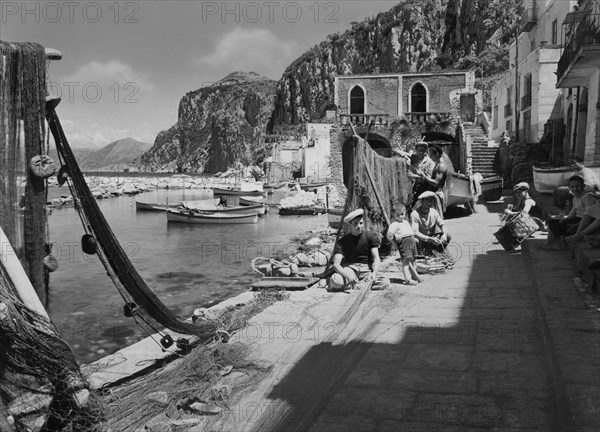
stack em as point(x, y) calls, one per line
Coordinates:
point(427, 117)
point(581, 56)
point(507, 110)
point(525, 101)
point(529, 18)
point(365, 119)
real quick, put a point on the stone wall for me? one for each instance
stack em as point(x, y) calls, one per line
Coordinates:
point(381, 93)
point(438, 87)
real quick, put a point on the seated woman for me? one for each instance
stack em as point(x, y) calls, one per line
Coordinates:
point(559, 228)
point(590, 222)
point(428, 225)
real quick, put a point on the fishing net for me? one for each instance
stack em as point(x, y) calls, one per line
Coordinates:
point(22, 129)
point(41, 386)
point(198, 388)
point(374, 176)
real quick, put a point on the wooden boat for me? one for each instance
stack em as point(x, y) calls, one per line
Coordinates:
point(312, 186)
point(209, 206)
point(334, 217)
point(491, 188)
point(154, 206)
point(235, 191)
point(546, 180)
point(250, 200)
point(459, 191)
point(194, 217)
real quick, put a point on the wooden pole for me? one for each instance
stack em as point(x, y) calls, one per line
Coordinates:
point(16, 273)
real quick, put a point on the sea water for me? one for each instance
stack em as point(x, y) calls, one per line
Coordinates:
point(186, 266)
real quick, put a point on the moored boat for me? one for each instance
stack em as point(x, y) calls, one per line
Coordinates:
point(546, 180)
point(208, 206)
point(154, 206)
point(250, 200)
point(195, 217)
point(235, 191)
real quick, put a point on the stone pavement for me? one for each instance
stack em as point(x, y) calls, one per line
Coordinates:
point(502, 342)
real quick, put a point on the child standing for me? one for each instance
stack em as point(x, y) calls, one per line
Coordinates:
point(402, 233)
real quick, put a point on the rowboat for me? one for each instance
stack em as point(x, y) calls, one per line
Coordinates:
point(154, 206)
point(491, 188)
point(334, 217)
point(235, 191)
point(546, 180)
point(192, 217)
point(208, 206)
point(250, 200)
point(459, 191)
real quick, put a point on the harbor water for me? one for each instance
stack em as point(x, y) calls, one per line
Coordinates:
point(186, 266)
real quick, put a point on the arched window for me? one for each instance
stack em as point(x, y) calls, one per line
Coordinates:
point(357, 100)
point(418, 98)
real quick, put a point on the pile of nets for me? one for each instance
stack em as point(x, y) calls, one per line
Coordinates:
point(195, 389)
point(434, 264)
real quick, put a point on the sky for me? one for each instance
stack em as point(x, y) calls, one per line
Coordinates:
point(127, 64)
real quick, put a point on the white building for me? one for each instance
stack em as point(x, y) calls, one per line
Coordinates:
point(578, 76)
point(526, 97)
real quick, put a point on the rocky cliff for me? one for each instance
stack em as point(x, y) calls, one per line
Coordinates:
point(220, 125)
point(413, 36)
point(217, 126)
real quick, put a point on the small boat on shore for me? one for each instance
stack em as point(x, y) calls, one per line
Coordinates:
point(154, 206)
point(195, 217)
point(235, 191)
point(459, 191)
point(334, 217)
point(547, 179)
point(491, 188)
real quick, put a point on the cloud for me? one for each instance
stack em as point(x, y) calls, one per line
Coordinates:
point(256, 50)
point(106, 74)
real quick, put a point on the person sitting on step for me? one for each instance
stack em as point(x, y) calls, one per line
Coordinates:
point(524, 203)
point(428, 225)
point(558, 228)
point(590, 222)
point(356, 258)
point(401, 233)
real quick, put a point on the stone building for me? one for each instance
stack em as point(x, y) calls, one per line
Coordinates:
point(403, 108)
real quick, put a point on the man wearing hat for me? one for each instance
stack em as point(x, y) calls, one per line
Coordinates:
point(356, 257)
point(523, 202)
point(428, 224)
point(421, 165)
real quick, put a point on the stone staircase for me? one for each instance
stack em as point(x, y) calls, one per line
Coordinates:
point(482, 155)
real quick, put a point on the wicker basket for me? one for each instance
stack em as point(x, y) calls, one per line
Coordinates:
point(516, 230)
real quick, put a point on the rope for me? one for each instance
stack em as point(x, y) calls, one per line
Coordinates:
point(112, 255)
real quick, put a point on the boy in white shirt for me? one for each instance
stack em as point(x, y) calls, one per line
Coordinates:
point(401, 232)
